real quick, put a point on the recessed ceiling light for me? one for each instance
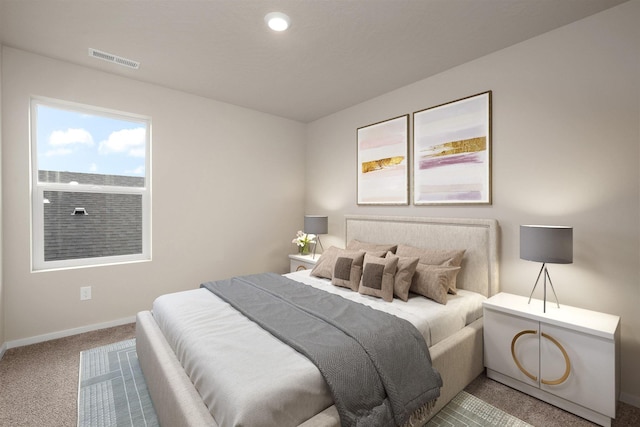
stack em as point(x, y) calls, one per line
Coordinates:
point(277, 21)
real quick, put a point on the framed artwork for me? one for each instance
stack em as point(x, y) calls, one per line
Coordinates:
point(383, 169)
point(452, 152)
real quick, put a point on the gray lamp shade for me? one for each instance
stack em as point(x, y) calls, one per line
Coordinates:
point(548, 244)
point(316, 224)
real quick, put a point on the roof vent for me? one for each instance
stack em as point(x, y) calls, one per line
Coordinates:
point(79, 211)
point(109, 57)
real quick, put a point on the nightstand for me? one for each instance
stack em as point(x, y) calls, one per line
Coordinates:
point(567, 357)
point(302, 262)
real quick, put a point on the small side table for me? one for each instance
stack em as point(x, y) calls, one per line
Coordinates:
point(567, 357)
point(302, 262)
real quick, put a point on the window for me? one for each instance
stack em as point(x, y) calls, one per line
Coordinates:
point(90, 185)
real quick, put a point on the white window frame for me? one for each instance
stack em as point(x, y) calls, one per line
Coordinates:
point(38, 262)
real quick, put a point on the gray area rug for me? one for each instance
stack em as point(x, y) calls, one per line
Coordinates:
point(467, 410)
point(112, 390)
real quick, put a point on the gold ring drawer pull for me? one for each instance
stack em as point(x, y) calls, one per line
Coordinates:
point(567, 363)
point(513, 352)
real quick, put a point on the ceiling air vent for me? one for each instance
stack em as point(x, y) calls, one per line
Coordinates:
point(114, 58)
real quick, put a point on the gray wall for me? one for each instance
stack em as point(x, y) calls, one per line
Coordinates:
point(566, 139)
point(227, 198)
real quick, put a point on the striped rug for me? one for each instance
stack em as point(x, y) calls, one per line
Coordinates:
point(112, 390)
point(466, 410)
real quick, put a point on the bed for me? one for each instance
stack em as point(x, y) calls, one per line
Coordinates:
point(457, 356)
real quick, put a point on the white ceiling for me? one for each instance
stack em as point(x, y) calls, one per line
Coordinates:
point(336, 54)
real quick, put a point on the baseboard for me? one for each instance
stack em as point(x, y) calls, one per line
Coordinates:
point(65, 333)
point(630, 399)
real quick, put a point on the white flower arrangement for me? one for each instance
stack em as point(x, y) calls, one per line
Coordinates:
point(302, 240)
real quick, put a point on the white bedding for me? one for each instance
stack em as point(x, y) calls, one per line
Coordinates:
point(434, 321)
point(233, 362)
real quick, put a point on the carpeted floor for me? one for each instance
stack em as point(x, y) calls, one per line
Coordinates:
point(39, 383)
point(538, 413)
point(47, 373)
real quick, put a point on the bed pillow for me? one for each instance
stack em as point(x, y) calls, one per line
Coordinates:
point(378, 277)
point(433, 281)
point(433, 256)
point(371, 247)
point(404, 274)
point(446, 257)
point(377, 254)
point(347, 270)
point(327, 261)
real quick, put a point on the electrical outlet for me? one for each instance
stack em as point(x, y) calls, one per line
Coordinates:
point(85, 293)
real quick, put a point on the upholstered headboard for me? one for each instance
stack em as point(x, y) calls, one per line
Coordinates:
point(479, 238)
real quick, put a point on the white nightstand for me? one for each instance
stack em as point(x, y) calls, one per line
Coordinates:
point(567, 356)
point(302, 262)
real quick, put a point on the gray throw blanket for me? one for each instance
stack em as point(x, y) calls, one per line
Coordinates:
point(376, 365)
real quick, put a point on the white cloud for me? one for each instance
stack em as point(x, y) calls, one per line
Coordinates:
point(68, 137)
point(58, 152)
point(93, 167)
point(137, 152)
point(129, 141)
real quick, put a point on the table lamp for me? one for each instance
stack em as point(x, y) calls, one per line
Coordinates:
point(316, 224)
point(549, 245)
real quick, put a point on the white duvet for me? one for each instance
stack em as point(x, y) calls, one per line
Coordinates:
point(247, 377)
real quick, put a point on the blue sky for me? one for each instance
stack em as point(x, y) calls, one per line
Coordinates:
point(74, 141)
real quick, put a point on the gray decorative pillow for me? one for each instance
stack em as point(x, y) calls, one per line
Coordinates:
point(433, 281)
point(348, 270)
point(327, 261)
point(371, 247)
point(404, 275)
point(378, 277)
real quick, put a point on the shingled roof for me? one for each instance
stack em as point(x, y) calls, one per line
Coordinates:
point(87, 224)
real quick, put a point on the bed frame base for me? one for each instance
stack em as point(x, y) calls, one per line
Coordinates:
point(458, 358)
point(175, 398)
